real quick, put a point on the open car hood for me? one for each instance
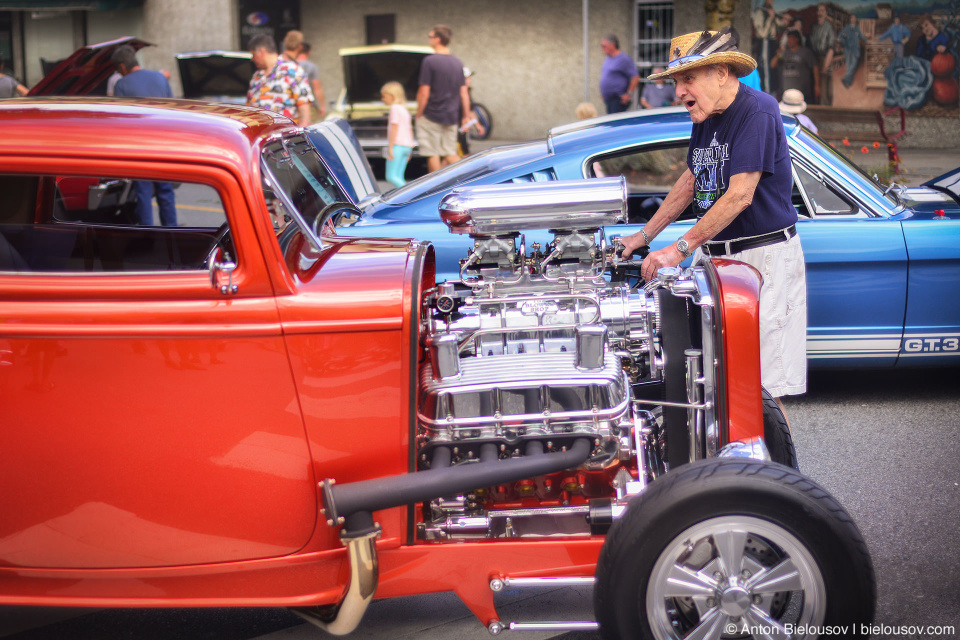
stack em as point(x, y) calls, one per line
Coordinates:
point(86, 71)
point(366, 69)
point(948, 183)
point(215, 75)
point(343, 155)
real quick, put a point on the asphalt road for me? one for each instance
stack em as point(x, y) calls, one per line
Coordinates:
point(885, 443)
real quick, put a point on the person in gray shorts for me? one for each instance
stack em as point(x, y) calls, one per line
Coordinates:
point(442, 102)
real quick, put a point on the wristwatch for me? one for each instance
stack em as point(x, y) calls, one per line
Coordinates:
point(683, 247)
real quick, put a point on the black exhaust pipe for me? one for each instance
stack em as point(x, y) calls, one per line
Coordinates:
point(353, 504)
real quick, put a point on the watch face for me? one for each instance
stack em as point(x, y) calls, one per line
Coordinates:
point(683, 247)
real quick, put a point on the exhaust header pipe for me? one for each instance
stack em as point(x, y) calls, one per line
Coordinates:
point(352, 504)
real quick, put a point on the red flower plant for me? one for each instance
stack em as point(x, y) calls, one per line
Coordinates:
point(864, 150)
point(846, 142)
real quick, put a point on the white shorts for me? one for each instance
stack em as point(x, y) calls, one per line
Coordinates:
point(783, 314)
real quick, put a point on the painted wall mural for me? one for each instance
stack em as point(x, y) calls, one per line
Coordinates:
point(850, 53)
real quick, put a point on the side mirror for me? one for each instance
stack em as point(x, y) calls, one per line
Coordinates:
point(227, 268)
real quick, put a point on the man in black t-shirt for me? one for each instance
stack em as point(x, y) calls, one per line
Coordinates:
point(443, 103)
point(739, 181)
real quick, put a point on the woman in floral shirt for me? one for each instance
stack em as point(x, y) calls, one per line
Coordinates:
point(278, 85)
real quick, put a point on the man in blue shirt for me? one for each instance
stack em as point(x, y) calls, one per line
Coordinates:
point(739, 181)
point(618, 76)
point(143, 83)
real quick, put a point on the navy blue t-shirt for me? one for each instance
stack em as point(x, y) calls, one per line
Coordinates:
point(748, 136)
point(444, 73)
point(143, 83)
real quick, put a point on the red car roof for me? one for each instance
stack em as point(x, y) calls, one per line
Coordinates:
point(135, 128)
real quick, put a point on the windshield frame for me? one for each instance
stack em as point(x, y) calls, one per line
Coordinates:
point(288, 143)
point(820, 153)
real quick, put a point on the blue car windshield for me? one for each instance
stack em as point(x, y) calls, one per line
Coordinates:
point(468, 169)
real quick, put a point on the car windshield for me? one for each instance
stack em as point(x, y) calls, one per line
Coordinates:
point(813, 141)
point(297, 185)
point(468, 169)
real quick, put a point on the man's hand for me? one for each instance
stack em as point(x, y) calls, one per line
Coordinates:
point(669, 256)
point(632, 243)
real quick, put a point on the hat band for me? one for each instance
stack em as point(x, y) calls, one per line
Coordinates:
point(684, 60)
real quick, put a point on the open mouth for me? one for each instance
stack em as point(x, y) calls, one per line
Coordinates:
point(690, 104)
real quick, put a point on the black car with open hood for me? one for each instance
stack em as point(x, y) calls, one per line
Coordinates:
point(215, 75)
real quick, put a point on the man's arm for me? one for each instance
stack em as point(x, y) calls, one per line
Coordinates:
point(423, 94)
point(318, 94)
point(634, 81)
point(737, 198)
point(467, 109)
point(680, 196)
point(303, 108)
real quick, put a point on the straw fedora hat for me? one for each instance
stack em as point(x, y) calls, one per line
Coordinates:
point(703, 48)
point(793, 102)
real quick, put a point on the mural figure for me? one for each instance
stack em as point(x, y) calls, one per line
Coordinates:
point(765, 23)
point(850, 38)
point(933, 41)
point(899, 35)
point(823, 42)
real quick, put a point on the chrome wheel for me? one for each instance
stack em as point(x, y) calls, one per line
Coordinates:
point(733, 577)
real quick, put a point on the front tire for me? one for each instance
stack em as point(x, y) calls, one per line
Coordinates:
point(776, 433)
point(723, 543)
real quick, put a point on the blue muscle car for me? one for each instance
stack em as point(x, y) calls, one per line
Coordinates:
point(883, 263)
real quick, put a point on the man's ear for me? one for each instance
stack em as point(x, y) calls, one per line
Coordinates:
point(723, 73)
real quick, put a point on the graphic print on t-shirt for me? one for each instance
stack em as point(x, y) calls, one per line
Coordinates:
point(710, 177)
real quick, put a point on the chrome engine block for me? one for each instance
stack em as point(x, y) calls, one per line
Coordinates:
point(535, 347)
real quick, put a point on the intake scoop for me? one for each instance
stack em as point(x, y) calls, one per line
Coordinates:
point(559, 205)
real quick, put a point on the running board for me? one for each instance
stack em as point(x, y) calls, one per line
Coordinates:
point(499, 584)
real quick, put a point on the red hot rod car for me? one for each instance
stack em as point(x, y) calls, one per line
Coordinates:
point(246, 410)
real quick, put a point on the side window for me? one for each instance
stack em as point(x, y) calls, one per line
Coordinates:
point(84, 224)
point(815, 198)
point(650, 172)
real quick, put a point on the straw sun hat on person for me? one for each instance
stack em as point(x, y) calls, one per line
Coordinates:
point(703, 48)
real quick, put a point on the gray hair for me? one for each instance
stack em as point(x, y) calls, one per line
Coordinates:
point(126, 56)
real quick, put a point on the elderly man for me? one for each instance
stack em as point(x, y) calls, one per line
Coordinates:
point(279, 84)
point(618, 76)
point(739, 180)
